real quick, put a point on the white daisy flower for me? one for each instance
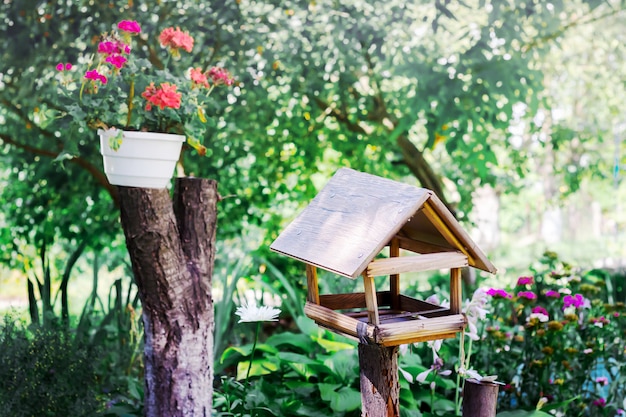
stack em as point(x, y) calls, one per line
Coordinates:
point(253, 313)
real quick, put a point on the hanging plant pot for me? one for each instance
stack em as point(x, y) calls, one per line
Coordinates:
point(139, 159)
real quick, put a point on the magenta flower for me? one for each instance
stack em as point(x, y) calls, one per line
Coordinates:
point(130, 26)
point(600, 402)
point(96, 76)
point(529, 295)
point(553, 294)
point(63, 67)
point(117, 61)
point(498, 293)
point(524, 281)
point(577, 301)
point(540, 310)
point(220, 76)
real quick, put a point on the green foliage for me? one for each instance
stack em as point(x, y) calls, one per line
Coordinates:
point(44, 372)
point(294, 374)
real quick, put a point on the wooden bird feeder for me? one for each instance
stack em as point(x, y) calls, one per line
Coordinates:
point(344, 230)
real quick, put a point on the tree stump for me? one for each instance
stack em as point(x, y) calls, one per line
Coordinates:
point(172, 249)
point(380, 387)
point(479, 398)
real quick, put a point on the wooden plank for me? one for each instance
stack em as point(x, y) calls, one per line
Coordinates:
point(351, 301)
point(451, 322)
point(416, 263)
point(455, 291)
point(401, 339)
point(313, 294)
point(370, 299)
point(394, 279)
point(349, 222)
point(445, 231)
point(418, 246)
point(477, 258)
point(337, 322)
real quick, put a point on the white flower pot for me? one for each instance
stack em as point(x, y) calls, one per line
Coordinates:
point(143, 159)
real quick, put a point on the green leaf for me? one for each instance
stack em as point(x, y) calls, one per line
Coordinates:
point(344, 399)
point(523, 413)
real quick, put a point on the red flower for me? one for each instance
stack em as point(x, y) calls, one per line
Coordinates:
point(163, 96)
point(176, 39)
point(198, 77)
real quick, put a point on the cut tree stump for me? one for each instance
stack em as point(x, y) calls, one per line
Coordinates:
point(172, 249)
point(479, 398)
point(380, 387)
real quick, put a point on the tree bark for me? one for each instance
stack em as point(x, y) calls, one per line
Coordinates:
point(479, 398)
point(172, 248)
point(380, 387)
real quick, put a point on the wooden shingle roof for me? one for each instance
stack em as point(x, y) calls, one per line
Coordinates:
point(357, 214)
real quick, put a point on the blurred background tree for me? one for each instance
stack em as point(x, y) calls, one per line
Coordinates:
point(517, 100)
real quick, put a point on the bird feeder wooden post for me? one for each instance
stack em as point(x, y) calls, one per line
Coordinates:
point(346, 230)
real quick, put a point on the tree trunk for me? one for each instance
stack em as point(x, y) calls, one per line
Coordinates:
point(479, 398)
point(172, 248)
point(380, 387)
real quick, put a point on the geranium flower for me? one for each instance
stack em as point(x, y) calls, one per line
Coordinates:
point(171, 94)
point(163, 96)
point(198, 77)
point(602, 380)
point(220, 76)
point(600, 402)
point(575, 301)
point(176, 39)
point(529, 295)
point(553, 294)
point(117, 61)
point(493, 292)
point(521, 281)
point(129, 26)
point(96, 76)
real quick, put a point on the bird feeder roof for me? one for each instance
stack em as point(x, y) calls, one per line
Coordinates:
point(356, 215)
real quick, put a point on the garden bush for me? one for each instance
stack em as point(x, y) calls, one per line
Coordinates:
point(44, 373)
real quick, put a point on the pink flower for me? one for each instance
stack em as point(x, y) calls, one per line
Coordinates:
point(117, 61)
point(553, 294)
point(577, 301)
point(600, 402)
point(63, 67)
point(130, 26)
point(198, 77)
point(163, 96)
point(524, 281)
point(602, 380)
point(108, 48)
point(540, 310)
point(529, 295)
point(498, 293)
point(220, 76)
point(176, 39)
point(96, 76)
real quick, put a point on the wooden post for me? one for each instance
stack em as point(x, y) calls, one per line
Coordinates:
point(479, 398)
point(172, 249)
point(394, 279)
point(380, 387)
